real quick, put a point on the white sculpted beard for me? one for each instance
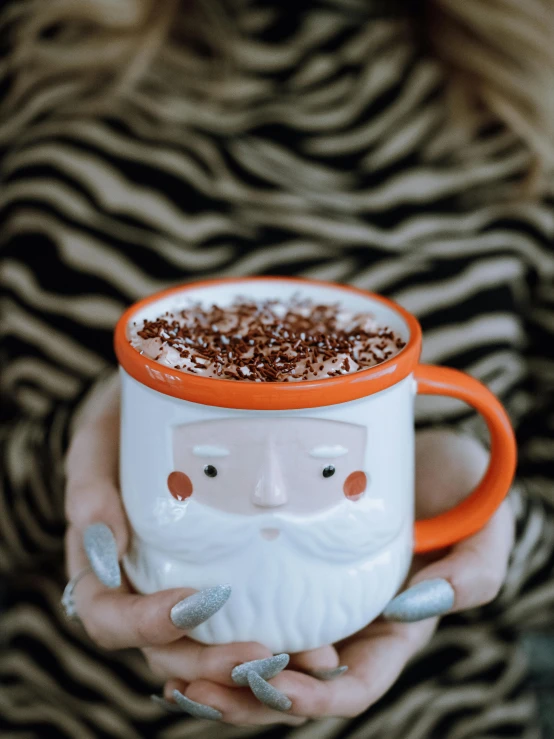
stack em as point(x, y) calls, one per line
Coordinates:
point(303, 589)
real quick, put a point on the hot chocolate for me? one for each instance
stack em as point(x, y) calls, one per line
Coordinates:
point(268, 341)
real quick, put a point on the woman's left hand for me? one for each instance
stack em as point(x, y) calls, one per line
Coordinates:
point(448, 468)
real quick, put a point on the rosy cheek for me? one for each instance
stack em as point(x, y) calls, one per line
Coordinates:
point(180, 485)
point(355, 485)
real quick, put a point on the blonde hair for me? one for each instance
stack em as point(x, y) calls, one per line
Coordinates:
point(499, 54)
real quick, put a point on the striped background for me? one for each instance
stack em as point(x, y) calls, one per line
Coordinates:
point(327, 153)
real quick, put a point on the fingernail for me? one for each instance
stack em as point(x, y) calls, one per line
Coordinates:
point(101, 549)
point(328, 674)
point(171, 707)
point(198, 710)
point(265, 668)
point(198, 608)
point(267, 694)
point(424, 600)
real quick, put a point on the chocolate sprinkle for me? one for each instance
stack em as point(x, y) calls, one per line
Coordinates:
point(269, 341)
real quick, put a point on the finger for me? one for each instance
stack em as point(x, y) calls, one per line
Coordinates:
point(117, 619)
point(322, 663)
point(470, 575)
point(375, 658)
point(92, 493)
point(476, 567)
point(237, 706)
point(189, 660)
point(439, 449)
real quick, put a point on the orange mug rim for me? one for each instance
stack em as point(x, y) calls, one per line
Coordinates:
point(264, 395)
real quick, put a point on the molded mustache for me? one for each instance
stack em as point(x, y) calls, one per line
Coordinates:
point(345, 533)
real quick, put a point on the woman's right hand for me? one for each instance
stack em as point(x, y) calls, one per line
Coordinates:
point(116, 617)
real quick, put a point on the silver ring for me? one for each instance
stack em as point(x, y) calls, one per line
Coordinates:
point(68, 602)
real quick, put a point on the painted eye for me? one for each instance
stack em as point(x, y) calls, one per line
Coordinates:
point(210, 470)
point(329, 471)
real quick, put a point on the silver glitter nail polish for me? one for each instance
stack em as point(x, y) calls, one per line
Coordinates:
point(265, 668)
point(198, 608)
point(198, 710)
point(267, 694)
point(328, 674)
point(166, 705)
point(101, 549)
point(424, 600)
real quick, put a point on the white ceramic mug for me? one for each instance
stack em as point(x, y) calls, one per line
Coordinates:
point(299, 495)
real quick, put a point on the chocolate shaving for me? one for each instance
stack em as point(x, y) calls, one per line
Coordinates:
point(269, 341)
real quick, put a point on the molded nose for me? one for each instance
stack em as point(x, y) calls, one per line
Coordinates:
point(270, 487)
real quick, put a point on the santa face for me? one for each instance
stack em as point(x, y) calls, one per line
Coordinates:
point(292, 465)
point(284, 512)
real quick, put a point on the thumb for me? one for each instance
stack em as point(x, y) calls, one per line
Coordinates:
point(476, 567)
point(470, 575)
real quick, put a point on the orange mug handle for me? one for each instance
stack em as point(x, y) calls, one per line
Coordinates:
point(472, 513)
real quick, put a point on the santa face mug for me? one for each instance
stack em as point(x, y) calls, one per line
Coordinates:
point(300, 495)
